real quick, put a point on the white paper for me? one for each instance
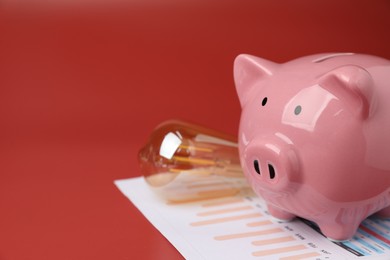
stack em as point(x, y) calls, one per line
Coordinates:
point(239, 227)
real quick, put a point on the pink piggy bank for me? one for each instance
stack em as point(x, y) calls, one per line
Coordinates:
point(314, 137)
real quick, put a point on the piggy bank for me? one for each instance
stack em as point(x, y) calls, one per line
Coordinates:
point(314, 137)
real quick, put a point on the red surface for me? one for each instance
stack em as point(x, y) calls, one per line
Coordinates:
point(83, 85)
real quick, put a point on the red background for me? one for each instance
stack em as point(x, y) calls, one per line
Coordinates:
point(83, 83)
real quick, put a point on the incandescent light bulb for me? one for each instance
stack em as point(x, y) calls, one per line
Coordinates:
point(184, 162)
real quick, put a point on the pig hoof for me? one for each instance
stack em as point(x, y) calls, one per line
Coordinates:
point(339, 232)
point(280, 215)
point(280, 220)
point(336, 240)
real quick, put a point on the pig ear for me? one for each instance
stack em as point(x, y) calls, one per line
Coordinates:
point(352, 84)
point(248, 70)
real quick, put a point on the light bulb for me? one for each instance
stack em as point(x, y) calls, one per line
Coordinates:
point(185, 162)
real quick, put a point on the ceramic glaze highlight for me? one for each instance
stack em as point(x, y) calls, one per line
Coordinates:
point(314, 137)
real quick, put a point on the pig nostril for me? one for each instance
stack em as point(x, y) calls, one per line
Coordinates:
point(256, 165)
point(271, 171)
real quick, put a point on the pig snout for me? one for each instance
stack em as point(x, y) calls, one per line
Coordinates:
point(272, 164)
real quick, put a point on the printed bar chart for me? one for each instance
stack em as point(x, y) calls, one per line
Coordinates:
point(215, 228)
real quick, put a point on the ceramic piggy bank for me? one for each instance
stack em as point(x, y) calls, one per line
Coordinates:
point(314, 137)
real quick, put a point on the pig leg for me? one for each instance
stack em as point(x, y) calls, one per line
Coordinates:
point(279, 213)
point(384, 213)
point(339, 231)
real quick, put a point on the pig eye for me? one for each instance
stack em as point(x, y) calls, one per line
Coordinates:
point(264, 101)
point(297, 110)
